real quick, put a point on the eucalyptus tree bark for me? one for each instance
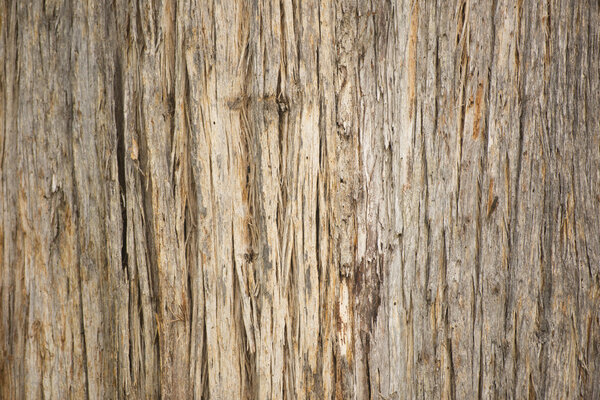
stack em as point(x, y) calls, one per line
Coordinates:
point(300, 199)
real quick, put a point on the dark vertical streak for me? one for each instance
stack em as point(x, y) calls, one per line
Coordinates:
point(451, 360)
point(446, 311)
point(121, 154)
point(425, 175)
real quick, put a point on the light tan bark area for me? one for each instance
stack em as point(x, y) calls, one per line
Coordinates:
point(269, 199)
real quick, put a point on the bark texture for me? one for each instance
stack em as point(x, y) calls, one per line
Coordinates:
point(281, 199)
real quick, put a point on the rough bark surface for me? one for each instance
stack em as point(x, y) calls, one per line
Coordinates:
point(281, 199)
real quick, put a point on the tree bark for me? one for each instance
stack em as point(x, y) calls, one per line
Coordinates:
point(271, 199)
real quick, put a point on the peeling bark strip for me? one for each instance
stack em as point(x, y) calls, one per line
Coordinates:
point(300, 199)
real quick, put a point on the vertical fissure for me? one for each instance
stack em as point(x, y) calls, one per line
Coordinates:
point(121, 156)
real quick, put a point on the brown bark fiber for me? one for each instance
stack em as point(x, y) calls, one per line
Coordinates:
point(288, 199)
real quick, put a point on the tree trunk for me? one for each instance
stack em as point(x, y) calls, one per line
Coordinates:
point(267, 199)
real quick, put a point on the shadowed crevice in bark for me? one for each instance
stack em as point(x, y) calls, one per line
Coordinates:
point(121, 155)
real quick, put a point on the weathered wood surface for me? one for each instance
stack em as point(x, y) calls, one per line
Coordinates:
point(300, 199)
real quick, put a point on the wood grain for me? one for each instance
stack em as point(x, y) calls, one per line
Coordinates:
point(274, 199)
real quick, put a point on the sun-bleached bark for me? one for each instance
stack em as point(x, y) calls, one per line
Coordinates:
point(299, 199)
